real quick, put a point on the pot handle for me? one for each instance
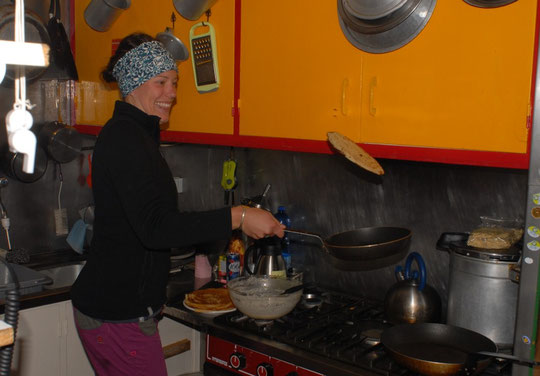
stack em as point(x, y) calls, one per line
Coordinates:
point(421, 267)
point(246, 258)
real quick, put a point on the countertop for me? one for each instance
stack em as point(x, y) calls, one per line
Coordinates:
point(183, 282)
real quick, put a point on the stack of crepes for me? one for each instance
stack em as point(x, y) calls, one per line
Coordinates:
point(212, 299)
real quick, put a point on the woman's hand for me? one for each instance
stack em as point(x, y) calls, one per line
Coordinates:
point(256, 223)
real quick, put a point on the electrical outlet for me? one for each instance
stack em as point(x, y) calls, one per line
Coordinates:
point(179, 184)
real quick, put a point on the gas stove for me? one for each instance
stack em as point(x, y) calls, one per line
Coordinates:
point(345, 330)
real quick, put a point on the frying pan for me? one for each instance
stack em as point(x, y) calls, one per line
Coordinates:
point(364, 244)
point(441, 350)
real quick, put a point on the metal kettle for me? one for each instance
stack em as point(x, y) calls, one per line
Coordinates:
point(268, 261)
point(411, 300)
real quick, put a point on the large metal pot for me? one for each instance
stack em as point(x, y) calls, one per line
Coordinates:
point(261, 297)
point(482, 289)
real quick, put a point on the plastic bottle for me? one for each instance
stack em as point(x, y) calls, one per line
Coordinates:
point(283, 218)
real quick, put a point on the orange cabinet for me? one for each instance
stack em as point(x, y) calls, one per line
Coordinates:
point(300, 77)
point(194, 112)
point(457, 93)
point(463, 83)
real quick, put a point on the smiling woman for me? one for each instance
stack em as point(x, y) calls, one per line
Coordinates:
point(122, 288)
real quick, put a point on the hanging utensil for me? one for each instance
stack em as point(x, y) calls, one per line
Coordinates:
point(172, 43)
point(34, 31)
point(354, 153)
point(62, 61)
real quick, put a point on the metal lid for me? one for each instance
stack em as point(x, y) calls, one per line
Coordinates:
point(488, 3)
point(510, 254)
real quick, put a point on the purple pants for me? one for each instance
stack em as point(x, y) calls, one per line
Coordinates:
point(114, 349)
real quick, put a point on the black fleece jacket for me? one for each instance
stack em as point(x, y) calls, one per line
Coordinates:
point(137, 221)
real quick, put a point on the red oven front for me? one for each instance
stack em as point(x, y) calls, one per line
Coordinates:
point(244, 361)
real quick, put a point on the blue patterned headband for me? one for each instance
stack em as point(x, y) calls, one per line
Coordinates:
point(140, 64)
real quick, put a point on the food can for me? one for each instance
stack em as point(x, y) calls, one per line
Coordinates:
point(222, 268)
point(233, 266)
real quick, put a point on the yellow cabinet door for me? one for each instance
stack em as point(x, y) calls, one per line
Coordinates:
point(299, 76)
point(193, 112)
point(463, 83)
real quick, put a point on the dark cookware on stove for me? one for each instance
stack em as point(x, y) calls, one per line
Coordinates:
point(440, 350)
point(366, 244)
point(35, 32)
point(411, 299)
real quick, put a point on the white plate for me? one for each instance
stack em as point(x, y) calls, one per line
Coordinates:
point(182, 256)
point(208, 313)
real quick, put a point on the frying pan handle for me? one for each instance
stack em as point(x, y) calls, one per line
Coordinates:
point(415, 256)
point(306, 233)
point(509, 357)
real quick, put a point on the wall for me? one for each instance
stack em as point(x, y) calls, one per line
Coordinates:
point(323, 193)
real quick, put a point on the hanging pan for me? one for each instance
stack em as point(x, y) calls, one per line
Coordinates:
point(35, 32)
point(365, 245)
point(62, 62)
point(13, 165)
point(442, 350)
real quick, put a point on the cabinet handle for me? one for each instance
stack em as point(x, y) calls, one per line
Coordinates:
point(344, 90)
point(372, 86)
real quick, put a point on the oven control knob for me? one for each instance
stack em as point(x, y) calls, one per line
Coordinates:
point(265, 369)
point(237, 360)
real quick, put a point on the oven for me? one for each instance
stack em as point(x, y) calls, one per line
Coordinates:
point(328, 333)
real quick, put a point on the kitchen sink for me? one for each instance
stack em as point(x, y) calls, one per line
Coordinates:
point(63, 275)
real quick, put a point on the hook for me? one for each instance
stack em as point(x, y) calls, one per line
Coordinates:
point(173, 19)
point(208, 14)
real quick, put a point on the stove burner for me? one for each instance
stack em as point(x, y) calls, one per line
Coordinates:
point(312, 302)
point(333, 325)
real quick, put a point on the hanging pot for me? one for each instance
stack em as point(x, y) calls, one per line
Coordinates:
point(193, 9)
point(13, 163)
point(174, 45)
point(489, 3)
point(101, 14)
point(35, 31)
point(62, 142)
point(62, 63)
point(389, 25)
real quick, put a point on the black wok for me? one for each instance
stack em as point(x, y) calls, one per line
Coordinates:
point(441, 350)
point(364, 244)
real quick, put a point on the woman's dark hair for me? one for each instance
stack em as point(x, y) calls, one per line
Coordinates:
point(126, 44)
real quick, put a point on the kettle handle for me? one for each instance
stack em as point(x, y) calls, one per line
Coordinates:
point(415, 256)
point(246, 258)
